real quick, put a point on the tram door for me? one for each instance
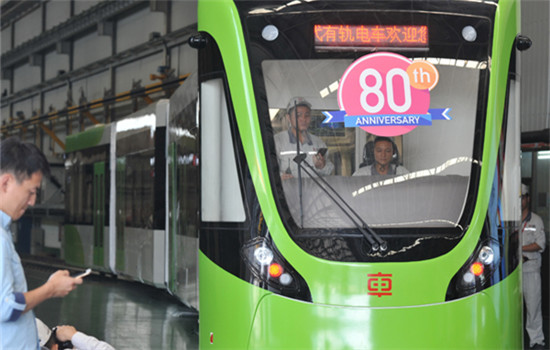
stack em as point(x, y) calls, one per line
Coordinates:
point(99, 212)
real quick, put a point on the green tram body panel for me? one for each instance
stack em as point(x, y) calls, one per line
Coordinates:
point(73, 247)
point(236, 315)
point(92, 137)
point(476, 322)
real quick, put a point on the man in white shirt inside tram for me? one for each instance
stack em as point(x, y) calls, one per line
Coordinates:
point(299, 112)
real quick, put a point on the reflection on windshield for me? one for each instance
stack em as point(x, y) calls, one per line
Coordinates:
point(417, 174)
point(417, 202)
point(416, 179)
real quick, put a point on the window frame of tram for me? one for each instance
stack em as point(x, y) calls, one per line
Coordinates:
point(139, 207)
point(80, 185)
point(482, 53)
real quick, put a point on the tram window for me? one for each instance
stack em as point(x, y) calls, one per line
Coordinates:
point(183, 149)
point(220, 187)
point(80, 184)
point(435, 160)
point(429, 100)
point(136, 178)
point(138, 190)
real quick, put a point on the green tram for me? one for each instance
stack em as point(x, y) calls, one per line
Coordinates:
point(426, 259)
point(282, 244)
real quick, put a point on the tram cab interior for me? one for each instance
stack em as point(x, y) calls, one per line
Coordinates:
point(438, 158)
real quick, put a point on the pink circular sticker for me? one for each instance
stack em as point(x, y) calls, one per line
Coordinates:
point(379, 84)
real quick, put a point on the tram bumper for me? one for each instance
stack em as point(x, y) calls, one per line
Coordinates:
point(469, 323)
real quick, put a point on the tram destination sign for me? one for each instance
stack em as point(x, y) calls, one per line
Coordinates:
point(367, 37)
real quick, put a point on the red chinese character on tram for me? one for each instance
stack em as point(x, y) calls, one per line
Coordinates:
point(379, 284)
point(325, 34)
point(362, 33)
point(418, 35)
point(345, 34)
point(393, 34)
point(423, 34)
point(378, 34)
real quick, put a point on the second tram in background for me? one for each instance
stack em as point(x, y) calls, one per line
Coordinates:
point(121, 181)
point(291, 256)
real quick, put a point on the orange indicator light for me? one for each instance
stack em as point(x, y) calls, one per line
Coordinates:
point(275, 270)
point(477, 268)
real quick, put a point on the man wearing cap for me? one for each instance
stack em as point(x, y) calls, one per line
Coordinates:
point(298, 115)
point(22, 166)
point(534, 242)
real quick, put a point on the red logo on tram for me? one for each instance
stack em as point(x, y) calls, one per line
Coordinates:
point(379, 284)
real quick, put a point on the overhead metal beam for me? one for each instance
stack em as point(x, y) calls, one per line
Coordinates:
point(80, 23)
point(53, 115)
point(105, 28)
point(175, 38)
point(52, 135)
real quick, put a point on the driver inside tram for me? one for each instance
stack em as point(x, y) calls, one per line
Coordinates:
point(386, 159)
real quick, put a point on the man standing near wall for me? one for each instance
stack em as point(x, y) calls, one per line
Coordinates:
point(22, 166)
point(533, 242)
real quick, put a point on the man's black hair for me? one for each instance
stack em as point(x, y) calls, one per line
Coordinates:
point(383, 138)
point(22, 159)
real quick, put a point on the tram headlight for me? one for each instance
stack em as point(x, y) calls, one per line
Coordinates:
point(268, 267)
point(486, 255)
point(477, 273)
point(263, 255)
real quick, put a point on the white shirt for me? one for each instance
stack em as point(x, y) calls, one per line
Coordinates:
point(368, 170)
point(533, 232)
point(82, 341)
point(285, 142)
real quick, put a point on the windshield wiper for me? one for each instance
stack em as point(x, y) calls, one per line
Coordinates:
point(299, 168)
point(375, 241)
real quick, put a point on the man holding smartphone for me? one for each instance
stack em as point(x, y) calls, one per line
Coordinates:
point(22, 166)
point(298, 116)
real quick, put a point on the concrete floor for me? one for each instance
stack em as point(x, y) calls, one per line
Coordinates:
point(127, 315)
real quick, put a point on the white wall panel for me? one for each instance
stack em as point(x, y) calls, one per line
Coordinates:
point(4, 113)
point(25, 76)
point(184, 59)
point(91, 48)
point(6, 39)
point(54, 62)
point(184, 13)
point(4, 85)
point(28, 27)
point(83, 5)
point(93, 86)
point(57, 12)
point(137, 70)
point(535, 74)
point(135, 29)
point(56, 98)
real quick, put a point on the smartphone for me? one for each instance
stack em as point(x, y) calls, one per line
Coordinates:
point(84, 274)
point(322, 151)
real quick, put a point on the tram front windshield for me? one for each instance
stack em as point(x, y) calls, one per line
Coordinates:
point(397, 99)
